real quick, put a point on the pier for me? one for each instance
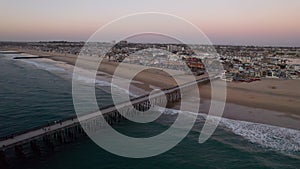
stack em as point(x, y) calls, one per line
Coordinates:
point(46, 138)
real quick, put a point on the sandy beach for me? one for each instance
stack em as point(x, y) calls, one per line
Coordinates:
point(273, 94)
point(269, 101)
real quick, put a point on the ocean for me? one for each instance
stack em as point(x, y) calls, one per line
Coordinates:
point(36, 92)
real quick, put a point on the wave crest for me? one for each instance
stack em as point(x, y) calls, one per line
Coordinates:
point(268, 136)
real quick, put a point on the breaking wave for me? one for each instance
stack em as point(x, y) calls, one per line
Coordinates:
point(268, 136)
point(274, 137)
point(45, 66)
point(279, 138)
point(66, 70)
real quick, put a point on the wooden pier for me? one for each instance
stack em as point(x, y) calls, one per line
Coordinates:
point(48, 137)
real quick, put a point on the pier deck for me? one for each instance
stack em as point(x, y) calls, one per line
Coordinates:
point(26, 137)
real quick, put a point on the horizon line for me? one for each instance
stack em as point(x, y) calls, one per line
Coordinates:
point(217, 44)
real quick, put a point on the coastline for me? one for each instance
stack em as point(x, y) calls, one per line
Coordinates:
point(270, 101)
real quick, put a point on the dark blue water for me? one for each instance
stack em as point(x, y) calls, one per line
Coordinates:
point(30, 97)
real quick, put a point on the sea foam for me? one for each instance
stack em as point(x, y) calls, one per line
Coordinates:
point(274, 137)
point(268, 136)
point(66, 70)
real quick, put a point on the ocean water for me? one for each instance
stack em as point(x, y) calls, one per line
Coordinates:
point(33, 93)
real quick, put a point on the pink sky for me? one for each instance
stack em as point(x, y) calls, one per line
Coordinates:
point(245, 22)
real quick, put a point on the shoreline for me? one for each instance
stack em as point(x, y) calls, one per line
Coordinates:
point(256, 102)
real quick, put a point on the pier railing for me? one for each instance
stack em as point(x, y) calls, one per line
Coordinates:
point(30, 135)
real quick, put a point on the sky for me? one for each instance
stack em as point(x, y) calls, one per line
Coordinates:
point(228, 22)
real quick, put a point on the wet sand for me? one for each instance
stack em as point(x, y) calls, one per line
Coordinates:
point(269, 101)
point(272, 94)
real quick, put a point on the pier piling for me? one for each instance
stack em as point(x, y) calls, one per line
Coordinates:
point(69, 130)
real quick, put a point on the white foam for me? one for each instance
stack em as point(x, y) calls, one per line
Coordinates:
point(274, 137)
point(67, 70)
point(43, 65)
point(85, 76)
point(279, 138)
